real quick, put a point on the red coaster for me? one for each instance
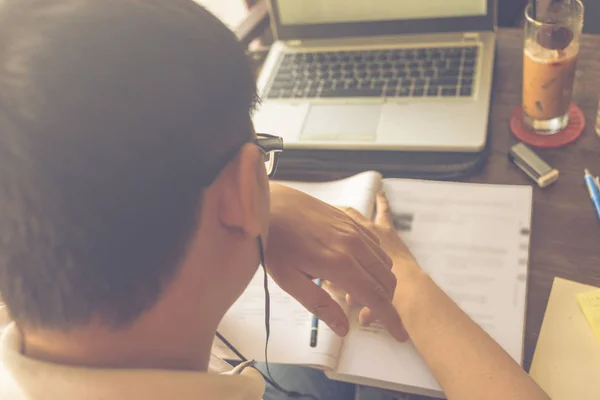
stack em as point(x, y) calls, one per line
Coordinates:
point(559, 139)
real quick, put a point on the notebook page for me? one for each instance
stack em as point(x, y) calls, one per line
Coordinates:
point(474, 242)
point(244, 324)
point(357, 191)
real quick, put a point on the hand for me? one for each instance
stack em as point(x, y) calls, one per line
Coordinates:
point(383, 227)
point(309, 239)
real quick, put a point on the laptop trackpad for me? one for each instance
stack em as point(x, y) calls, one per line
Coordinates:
point(342, 122)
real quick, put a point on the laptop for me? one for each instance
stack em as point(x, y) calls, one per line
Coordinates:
point(379, 74)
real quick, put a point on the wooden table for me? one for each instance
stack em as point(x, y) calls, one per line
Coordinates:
point(565, 233)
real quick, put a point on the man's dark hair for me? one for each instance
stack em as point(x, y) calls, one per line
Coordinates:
point(113, 113)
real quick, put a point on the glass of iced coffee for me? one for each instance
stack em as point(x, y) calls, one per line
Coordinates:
point(550, 58)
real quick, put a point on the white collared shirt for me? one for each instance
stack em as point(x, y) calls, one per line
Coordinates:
point(24, 378)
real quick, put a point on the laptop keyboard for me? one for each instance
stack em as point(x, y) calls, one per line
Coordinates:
point(395, 73)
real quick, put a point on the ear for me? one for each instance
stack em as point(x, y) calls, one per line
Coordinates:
point(244, 193)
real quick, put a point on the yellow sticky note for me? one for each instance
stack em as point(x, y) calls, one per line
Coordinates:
point(590, 305)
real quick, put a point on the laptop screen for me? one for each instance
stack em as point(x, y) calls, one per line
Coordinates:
point(309, 12)
point(322, 19)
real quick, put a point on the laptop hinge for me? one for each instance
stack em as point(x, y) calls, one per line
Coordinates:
point(467, 37)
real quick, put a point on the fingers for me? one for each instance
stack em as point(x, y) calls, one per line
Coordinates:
point(315, 299)
point(383, 216)
point(372, 259)
point(376, 248)
point(361, 222)
point(358, 217)
point(366, 318)
point(364, 289)
point(379, 265)
point(387, 314)
point(375, 261)
point(351, 302)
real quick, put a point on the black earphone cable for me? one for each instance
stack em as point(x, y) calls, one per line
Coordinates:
point(268, 377)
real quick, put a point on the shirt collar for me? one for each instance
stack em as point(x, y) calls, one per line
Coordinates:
point(44, 380)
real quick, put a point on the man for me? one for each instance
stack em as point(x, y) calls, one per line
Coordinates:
point(135, 209)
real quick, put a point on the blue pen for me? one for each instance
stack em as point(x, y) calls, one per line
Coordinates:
point(314, 330)
point(594, 190)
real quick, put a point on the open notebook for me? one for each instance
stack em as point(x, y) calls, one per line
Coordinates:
point(472, 239)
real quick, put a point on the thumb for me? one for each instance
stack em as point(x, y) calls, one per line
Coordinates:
point(315, 299)
point(383, 216)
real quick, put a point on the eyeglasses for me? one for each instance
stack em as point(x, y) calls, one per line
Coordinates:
point(271, 146)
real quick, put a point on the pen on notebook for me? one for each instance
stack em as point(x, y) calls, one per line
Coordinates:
point(314, 329)
point(594, 189)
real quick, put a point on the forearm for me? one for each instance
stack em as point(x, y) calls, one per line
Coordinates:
point(467, 362)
